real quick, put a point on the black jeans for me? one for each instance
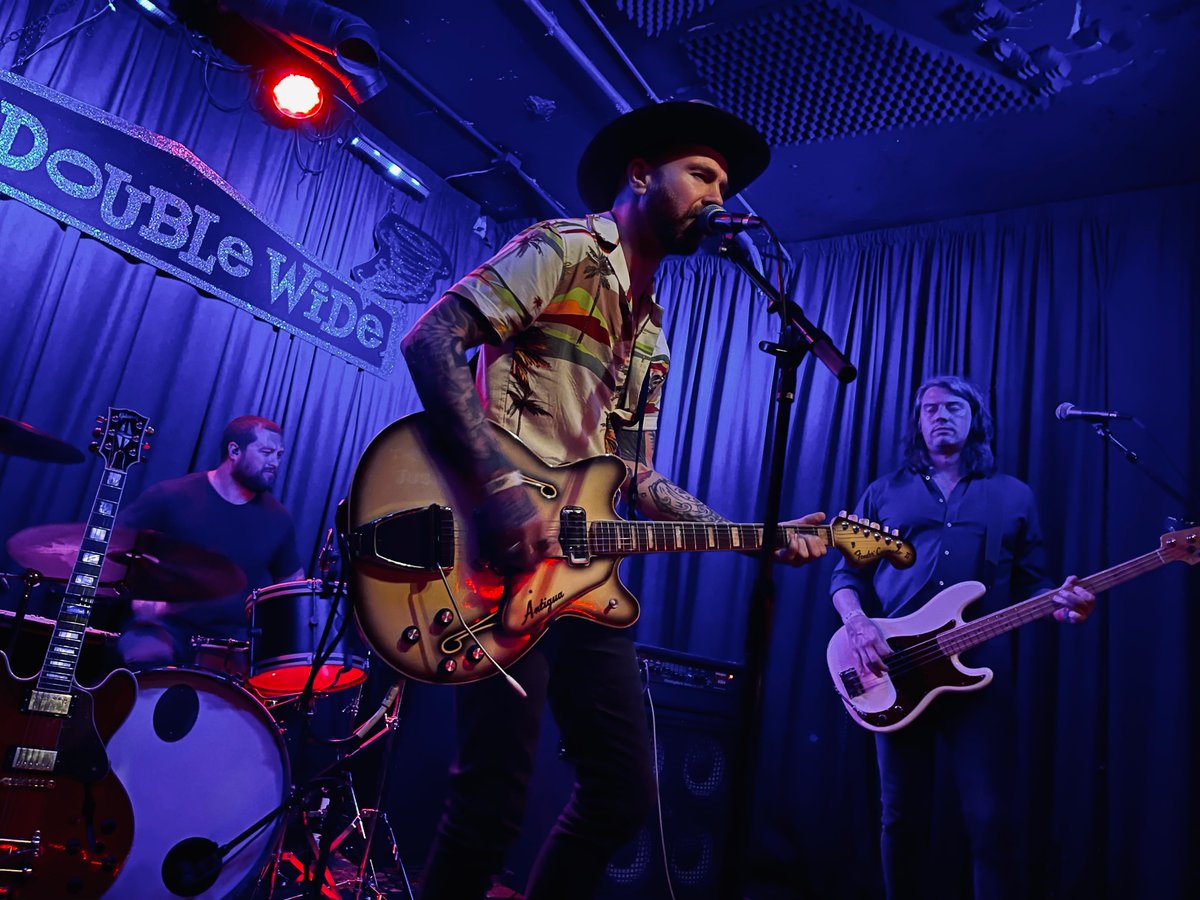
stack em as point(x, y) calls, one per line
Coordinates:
point(589, 674)
point(973, 735)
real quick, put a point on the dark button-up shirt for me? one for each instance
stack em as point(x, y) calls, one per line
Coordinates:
point(950, 537)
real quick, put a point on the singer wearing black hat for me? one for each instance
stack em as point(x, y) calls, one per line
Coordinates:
point(572, 361)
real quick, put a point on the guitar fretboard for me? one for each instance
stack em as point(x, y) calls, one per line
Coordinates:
point(979, 630)
point(616, 537)
point(66, 643)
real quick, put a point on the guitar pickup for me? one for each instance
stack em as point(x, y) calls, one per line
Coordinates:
point(851, 682)
point(573, 535)
point(32, 759)
point(48, 703)
point(420, 539)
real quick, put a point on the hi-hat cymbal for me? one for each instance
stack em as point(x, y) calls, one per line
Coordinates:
point(20, 439)
point(149, 564)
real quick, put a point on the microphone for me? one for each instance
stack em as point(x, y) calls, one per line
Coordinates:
point(1067, 411)
point(328, 557)
point(715, 219)
point(388, 699)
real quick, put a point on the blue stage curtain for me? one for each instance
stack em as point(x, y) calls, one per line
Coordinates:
point(1091, 302)
point(83, 326)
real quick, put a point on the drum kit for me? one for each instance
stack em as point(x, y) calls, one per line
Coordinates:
point(204, 755)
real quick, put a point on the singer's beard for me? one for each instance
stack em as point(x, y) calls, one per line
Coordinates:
point(677, 235)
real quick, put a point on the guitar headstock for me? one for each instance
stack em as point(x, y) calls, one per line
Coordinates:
point(120, 437)
point(1184, 545)
point(863, 542)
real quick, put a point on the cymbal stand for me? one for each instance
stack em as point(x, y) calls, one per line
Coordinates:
point(31, 578)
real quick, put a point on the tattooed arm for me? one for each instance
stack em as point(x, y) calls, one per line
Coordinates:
point(436, 352)
point(660, 498)
point(657, 496)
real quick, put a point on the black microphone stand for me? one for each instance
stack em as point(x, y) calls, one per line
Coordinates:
point(797, 337)
point(1188, 504)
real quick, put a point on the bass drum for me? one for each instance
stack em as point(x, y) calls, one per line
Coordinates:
point(201, 759)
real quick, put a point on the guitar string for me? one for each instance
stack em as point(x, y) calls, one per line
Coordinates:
point(931, 649)
point(969, 633)
point(617, 535)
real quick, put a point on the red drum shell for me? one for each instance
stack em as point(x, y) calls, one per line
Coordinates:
point(286, 624)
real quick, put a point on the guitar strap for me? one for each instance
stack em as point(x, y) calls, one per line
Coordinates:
point(639, 416)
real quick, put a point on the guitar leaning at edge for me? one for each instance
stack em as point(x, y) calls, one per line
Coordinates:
point(66, 823)
point(926, 644)
point(406, 517)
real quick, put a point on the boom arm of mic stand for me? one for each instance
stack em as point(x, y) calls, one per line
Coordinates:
point(813, 338)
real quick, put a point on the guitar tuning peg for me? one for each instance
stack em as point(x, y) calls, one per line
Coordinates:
point(875, 525)
point(149, 430)
point(896, 532)
point(853, 518)
point(842, 514)
point(97, 431)
point(94, 446)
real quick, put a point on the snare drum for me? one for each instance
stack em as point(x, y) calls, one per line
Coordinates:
point(229, 656)
point(199, 757)
point(287, 622)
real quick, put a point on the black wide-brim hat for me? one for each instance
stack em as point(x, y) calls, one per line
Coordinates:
point(652, 130)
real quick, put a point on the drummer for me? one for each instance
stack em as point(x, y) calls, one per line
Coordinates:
point(229, 510)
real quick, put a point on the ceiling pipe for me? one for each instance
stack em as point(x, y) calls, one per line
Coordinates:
point(612, 42)
point(557, 32)
point(467, 128)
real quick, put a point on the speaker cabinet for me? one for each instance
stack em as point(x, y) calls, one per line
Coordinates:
point(695, 705)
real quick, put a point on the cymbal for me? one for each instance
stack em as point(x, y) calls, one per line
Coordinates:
point(20, 439)
point(149, 565)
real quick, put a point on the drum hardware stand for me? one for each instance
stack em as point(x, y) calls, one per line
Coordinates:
point(31, 578)
point(315, 878)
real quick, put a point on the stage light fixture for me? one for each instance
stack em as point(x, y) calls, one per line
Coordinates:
point(385, 163)
point(158, 11)
point(296, 96)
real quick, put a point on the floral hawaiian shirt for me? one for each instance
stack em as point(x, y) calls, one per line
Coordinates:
point(574, 346)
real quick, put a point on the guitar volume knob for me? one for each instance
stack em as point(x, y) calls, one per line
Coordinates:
point(444, 616)
point(475, 653)
point(411, 634)
point(448, 665)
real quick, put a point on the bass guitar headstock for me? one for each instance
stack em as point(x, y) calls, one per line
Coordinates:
point(1181, 545)
point(862, 542)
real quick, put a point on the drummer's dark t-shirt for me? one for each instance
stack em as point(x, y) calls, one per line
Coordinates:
point(259, 536)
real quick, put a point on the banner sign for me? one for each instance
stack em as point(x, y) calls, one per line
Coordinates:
point(151, 198)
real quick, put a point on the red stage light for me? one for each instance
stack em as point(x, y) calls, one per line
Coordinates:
point(297, 96)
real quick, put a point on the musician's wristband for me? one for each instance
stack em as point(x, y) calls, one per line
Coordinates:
point(503, 483)
point(850, 615)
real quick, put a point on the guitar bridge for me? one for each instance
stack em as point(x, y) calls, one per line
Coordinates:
point(410, 539)
point(851, 682)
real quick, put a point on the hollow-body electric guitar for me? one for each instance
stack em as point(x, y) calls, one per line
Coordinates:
point(409, 523)
point(925, 645)
point(66, 823)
